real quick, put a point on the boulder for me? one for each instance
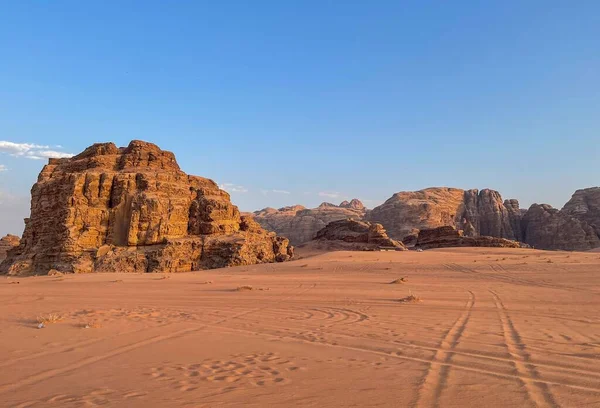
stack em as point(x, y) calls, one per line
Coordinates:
point(132, 209)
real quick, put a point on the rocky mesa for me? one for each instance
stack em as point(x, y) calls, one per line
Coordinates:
point(473, 211)
point(132, 209)
point(446, 237)
point(485, 213)
point(301, 225)
point(354, 235)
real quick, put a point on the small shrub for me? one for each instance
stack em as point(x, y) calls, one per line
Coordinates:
point(244, 288)
point(92, 325)
point(411, 298)
point(49, 318)
point(398, 281)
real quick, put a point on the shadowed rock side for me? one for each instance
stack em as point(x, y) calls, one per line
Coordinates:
point(446, 237)
point(300, 224)
point(133, 210)
point(545, 227)
point(7, 243)
point(475, 212)
point(584, 205)
point(356, 235)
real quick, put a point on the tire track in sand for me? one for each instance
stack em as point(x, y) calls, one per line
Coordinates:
point(436, 376)
point(44, 375)
point(538, 391)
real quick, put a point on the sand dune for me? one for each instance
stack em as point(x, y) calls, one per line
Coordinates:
point(494, 328)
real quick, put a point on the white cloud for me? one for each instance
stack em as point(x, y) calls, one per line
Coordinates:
point(233, 188)
point(30, 150)
point(274, 190)
point(2, 168)
point(16, 148)
point(54, 154)
point(329, 194)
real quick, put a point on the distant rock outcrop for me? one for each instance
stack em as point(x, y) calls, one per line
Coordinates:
point(446, 237)
point(475, 212)
point(133, 210)
point(301, 225)
point(585, 206)
point(354, 234)
point(7, 243)
point(545, 227)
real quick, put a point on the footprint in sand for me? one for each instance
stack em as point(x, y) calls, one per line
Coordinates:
point(259, 369)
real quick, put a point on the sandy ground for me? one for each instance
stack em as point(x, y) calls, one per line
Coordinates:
point(494, 328)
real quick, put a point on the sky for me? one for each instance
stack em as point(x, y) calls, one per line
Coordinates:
point(299, 102)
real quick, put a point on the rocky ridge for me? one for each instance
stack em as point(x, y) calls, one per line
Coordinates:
point(584, 205)
point(133, 210)
point(473, 211)
point(545, 227)
point(7, 243)
point(484, 213)
point(300, 225)
point(359, 234)
point(447, 236)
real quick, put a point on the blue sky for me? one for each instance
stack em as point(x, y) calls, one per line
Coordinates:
point(319, 100)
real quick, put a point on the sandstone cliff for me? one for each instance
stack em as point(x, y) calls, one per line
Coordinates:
point(475, 212)
point(445, 237)
point(133, 209)
point(584, 205)
point(371, 236)
point(300, 224)
point(7, 243)
point(545, 227)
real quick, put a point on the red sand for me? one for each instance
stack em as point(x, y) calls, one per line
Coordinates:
point(494, 328)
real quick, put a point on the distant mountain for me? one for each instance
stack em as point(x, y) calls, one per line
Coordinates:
point(476, 213)
point(299, 224)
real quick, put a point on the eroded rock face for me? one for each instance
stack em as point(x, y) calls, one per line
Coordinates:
point(584, 205)
point(363, 235)
point(7, 243)
point(301, 225)
point(475, 212)
point(545, 227)
point(133, 210)
point(446, 237)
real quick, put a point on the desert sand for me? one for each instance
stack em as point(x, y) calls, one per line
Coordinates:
point(493, 328)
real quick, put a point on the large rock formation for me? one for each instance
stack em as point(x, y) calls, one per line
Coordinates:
point(445, 237)
point(355, 235)
point(300, 224)
point(545, 227)
point(475, 212)
point(585, 206)
point(7, 243)
point(133, 210)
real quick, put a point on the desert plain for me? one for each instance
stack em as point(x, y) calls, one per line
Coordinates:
point(486, 327)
